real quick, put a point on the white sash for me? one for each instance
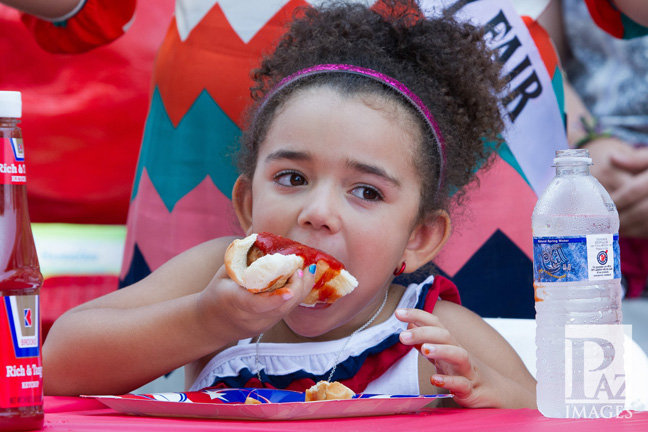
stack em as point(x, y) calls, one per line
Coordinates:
point(534, 120)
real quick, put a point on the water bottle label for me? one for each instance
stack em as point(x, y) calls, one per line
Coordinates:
point(593, 257)
point(21, 371)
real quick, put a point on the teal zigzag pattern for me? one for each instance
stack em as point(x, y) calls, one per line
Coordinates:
point(506, 154)
point(178, 158)
point(504, 151)
point(559, 89)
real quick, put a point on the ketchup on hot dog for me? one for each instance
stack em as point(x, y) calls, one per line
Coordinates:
point(269, 243)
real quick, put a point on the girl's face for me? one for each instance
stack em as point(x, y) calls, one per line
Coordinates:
point(336, 173)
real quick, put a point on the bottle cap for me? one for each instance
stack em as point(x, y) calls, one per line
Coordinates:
point(10, 104)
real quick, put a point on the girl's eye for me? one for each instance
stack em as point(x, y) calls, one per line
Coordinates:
point(290, 178)
point(367, 193)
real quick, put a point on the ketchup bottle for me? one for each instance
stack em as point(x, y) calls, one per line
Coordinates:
point(21, 376)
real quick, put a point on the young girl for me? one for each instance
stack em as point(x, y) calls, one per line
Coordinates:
point(366, 120)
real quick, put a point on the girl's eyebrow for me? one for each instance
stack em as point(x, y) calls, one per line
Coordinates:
point(374, 170)
point(287, 154)
point(356, 165)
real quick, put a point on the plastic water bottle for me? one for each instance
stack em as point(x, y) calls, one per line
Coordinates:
point(577, 276)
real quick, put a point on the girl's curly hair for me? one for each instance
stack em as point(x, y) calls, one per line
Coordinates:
point(444, 62)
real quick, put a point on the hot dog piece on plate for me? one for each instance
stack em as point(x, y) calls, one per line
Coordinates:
point(325, 390)
point(264, 262)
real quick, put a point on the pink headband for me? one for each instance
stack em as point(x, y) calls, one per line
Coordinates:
point(382, 78)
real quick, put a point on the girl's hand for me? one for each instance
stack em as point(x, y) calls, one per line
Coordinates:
point(456, 370)
point(223, 300)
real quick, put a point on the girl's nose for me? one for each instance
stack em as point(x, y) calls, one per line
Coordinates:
point(321, 211)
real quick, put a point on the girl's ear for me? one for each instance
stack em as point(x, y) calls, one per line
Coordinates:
point(242, 202)
point(427, 240)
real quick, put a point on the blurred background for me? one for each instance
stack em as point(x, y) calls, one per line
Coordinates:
point(83, 121)
point(83, 117)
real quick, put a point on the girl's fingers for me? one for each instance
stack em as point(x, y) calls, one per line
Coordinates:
point(294, 292)
point(461, 387)
point(267, 302)
point(418, 317)
point(455, 355)
point(435, 342)
point(429, 334)
point(301, 283)
point(280, 300)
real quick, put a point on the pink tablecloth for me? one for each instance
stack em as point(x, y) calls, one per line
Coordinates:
point(78, 414)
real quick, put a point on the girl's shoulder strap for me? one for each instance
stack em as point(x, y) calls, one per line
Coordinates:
point(441, 288)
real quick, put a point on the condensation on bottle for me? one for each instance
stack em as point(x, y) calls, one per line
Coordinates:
point(21, 372)
point(577, 284)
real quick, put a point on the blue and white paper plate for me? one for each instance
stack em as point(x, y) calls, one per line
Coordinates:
point(262, 404)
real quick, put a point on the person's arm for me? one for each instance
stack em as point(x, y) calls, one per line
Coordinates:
point(48, 9)
point(185, 310)
point(622, 19)
point(473, 361)
point(637, 10)
point(551, 19)
point(75, 26)
point(621, 168)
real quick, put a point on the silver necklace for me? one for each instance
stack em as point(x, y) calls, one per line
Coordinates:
point(339, 353)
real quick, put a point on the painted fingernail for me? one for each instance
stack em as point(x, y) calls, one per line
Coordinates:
point(428, 349)
point(312, 268)
point(287, 295)
point(437, 380)
point(300, 273)
point(401, 313)
point(406, 336)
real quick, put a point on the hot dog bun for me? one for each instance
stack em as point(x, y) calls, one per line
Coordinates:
point(264, 262)
point(264, 273)
point(325, 390)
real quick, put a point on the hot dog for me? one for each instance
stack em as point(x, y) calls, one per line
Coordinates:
point(325, 390)
point(263, 262)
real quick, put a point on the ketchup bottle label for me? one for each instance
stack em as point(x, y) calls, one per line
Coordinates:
point(21, 376)
point(12, 165)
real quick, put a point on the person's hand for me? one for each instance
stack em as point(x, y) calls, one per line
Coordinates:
point(223, 300)
point(609, 174)
point(636, 10)
point(623, 171)
point(631, 198)
point(456, 370)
